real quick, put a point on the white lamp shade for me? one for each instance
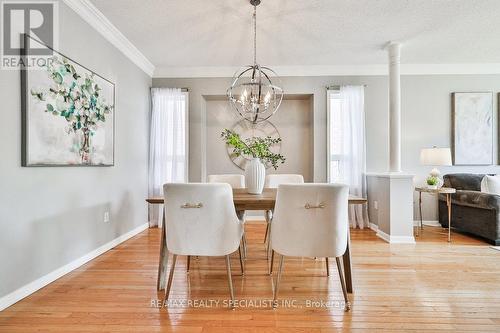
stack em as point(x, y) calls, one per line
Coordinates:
point(435, 156)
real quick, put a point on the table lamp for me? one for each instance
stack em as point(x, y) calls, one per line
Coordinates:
point(436, 157)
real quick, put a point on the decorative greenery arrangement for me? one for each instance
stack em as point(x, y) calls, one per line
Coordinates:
point(254, 147)
point(432, 181)
point(75, 98)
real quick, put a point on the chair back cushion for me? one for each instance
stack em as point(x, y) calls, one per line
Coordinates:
point(201, 220)
point(310, 220)
point(463, 181)
point(273, 181)
point(235, 180)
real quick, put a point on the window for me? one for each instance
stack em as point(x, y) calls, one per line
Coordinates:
point(168, 144)
point(346, 145)
point(335, 135)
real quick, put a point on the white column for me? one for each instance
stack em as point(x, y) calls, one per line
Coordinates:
point(394, 107)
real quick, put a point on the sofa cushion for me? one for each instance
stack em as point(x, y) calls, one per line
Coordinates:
point(490, 184)
point(463, 181)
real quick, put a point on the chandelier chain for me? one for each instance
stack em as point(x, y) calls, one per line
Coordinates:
point(255, 34)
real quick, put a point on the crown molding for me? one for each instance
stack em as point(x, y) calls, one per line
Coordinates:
point(343, 70)
point(98, 21)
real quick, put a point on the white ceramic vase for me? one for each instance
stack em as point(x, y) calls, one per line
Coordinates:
point(255, 175)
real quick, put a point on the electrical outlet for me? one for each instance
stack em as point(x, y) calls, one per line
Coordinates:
point(106, 217)
point(375, 204)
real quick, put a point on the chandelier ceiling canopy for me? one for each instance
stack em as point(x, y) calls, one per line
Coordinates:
point(255, 92)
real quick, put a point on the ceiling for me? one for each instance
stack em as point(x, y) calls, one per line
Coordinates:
point(218, 33)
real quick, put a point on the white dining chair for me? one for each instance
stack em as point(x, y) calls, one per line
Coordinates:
point(273, 181)
point(311, 220)
point(201, 221)
point(235, 180)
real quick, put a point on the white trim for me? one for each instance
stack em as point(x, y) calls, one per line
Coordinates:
point(391, 175)
point(430, 223)
point(31, 287)
point(374, 227)
point(327, 70)
point(329, 94)
point(99, 22)
point(186, 124)
point(395, 239)
point(255, 218)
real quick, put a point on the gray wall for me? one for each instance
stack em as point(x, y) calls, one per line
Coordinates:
point(375, 96)
point(50, 216)
point(426, 118)
point(294, 124)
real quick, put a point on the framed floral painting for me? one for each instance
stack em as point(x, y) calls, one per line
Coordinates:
point(68, 114)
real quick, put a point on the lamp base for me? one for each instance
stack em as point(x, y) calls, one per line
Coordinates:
point(436, 173)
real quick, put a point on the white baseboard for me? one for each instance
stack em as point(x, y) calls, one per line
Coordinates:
point(395, 239)
point(255, 218)
point(373, 226)
point(31, 287)
point(430, 223)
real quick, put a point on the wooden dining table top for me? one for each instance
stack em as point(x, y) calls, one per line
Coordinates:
point(264, 201)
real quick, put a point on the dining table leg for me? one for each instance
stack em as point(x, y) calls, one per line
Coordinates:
point(347, 264)
point(163, 262)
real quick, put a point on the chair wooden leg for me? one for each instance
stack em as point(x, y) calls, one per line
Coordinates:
point(241, 261)
point(188, 263)
point(170, 278)
point(269, 248)
point(230, 281)
point(267, 232)
point(272, 263)
point(277, 285)
point(244, 243)
point(342, 282)
point(327, 267)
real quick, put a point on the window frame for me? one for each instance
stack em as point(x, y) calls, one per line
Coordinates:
point(330, 94)
point(186, 116)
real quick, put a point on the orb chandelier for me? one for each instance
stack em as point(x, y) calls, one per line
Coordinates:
point(252, 92)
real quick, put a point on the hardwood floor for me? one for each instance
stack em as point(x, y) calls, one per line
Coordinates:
point(432, 286)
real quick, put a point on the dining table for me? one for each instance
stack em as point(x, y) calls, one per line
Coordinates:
point(244, 201)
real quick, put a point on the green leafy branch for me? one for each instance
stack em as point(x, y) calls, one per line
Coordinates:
point(256, 147)
point(73, 97)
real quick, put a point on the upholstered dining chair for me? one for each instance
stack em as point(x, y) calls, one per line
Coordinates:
point(273, 181)
point(235, 180)
point(201, 221)
point(311, 220)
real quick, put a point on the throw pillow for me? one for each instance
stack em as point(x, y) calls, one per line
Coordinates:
point(490, 184)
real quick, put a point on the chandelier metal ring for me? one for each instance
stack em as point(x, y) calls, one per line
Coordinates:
point(252, 93)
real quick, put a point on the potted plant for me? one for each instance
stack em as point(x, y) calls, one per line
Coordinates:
point(432, 182)
point(259, 151)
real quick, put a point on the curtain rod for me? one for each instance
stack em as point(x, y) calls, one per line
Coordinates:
point(337, 87)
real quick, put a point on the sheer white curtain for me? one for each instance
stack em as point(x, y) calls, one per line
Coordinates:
point(168, 150)
point(348, 146)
